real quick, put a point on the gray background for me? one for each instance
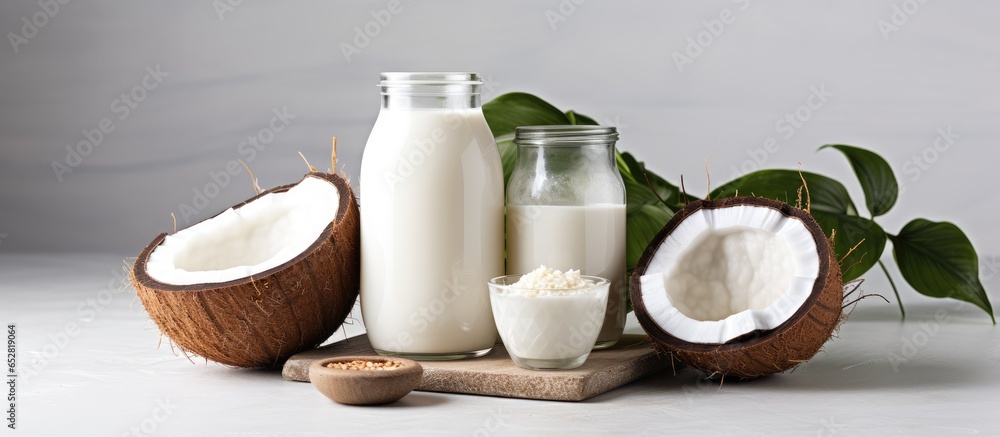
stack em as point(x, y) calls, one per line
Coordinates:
point(614, 61)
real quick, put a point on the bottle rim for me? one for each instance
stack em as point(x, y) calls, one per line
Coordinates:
point(565, 135)
point(430, 83)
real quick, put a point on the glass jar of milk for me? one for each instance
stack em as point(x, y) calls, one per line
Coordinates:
point(566, 210)
point(431, 219)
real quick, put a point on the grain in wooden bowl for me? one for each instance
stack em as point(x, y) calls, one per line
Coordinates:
point(365, 380)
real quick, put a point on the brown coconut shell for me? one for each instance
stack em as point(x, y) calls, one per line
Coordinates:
point(759, 353)
point(261, 320)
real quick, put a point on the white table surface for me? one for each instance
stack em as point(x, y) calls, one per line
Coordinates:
point(110, 378)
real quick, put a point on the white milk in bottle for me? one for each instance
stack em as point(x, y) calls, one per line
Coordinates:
point(432, 230)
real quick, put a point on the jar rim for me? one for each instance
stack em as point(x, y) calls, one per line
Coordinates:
point(430, 77)
point(565, 135)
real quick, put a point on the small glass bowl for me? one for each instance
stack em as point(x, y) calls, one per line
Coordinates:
point(548, 331)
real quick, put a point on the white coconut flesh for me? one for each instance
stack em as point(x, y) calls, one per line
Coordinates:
point(723, 273)
point(259, 236)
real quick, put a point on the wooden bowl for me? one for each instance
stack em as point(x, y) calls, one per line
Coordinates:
point(365, 387)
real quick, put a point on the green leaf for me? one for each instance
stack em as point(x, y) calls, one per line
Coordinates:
point(938, 260)
point(580, 119)
point(670, 193)
point(644, 223)
point(851, 230)
point(633, 166)
point(876, 177)
point(508, 155)
point(506, 112)
point(827, 195)
point(831, 206)
point(645, 215)
point(623, 166)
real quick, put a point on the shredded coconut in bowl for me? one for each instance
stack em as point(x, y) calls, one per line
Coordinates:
point(545, 281)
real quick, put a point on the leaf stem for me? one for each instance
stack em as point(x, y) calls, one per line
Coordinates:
point(894, 289)
point(653, 189)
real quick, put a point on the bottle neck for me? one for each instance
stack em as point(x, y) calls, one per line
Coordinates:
point(430, 90)
point(405, 101)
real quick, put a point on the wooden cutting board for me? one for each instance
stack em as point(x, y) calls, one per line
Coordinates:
point(496, 375)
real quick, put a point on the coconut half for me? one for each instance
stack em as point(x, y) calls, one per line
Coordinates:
point(261, 281)
point(743, 286)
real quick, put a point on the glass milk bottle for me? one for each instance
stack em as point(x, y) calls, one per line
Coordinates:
point(431, 219)
point(566, 210)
